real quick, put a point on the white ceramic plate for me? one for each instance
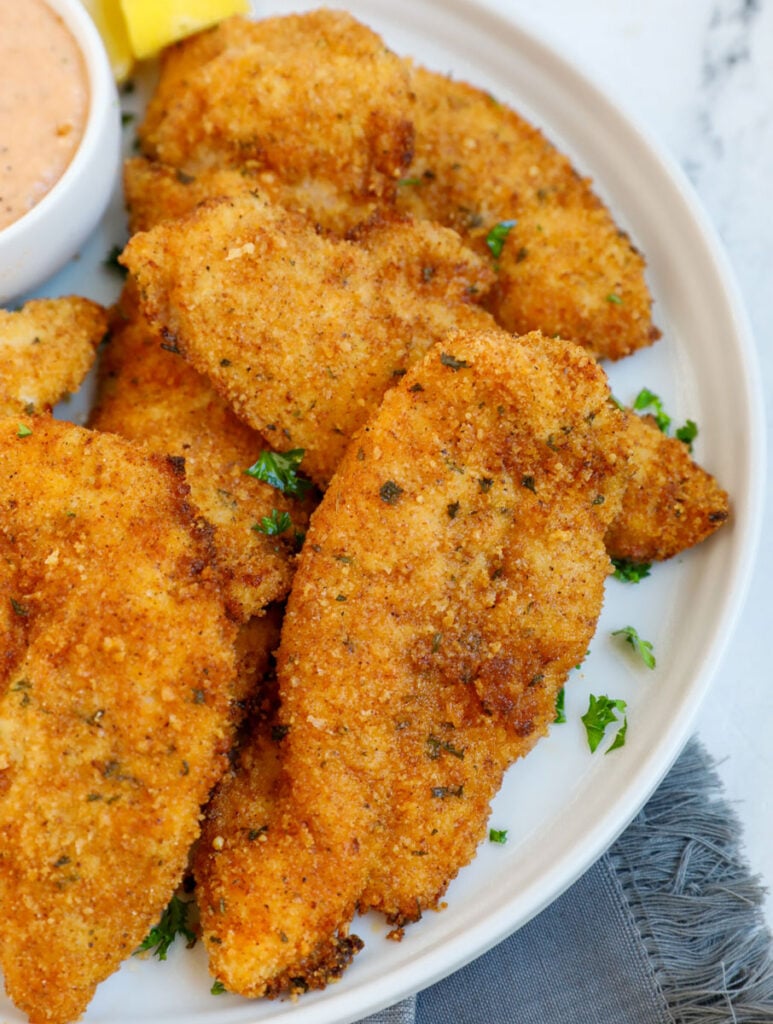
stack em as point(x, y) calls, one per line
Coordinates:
point(562, 806)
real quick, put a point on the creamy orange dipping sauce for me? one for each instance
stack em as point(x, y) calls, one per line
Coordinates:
point(43, 103)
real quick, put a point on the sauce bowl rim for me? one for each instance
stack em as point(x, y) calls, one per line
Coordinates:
point(102, 106)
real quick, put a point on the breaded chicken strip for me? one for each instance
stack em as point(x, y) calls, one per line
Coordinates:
point(670, 503)
point(666, 480)
point(451, 578)
point(155, 192)
point(251, 807)
point(183, 59)
point(46, 349)
point(565, 268)
point(151, 395)
point(300, 333)
point(316, 99)
point(115, 711)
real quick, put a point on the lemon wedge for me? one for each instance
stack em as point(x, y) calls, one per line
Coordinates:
point(108, 17)
point(135, 29)
point(152, 25)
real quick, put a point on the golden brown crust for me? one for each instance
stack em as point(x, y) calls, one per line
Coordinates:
point(115, 715)
point(246, 812)
point(315, 98)
point(179, 62)
point(151, 395)
point(156, 192)
point(46, 349)
point(565, 267)
point(325, 116)
point(301, 333)
point(670, 503)
point(433, 618)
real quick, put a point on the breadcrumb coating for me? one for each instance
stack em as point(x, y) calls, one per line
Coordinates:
point(300, 333)
point(315, 98)
point(565, 268)
point(151, 395)
point(46, 349)
point(670, 504)
point(451, 578)
point(115, 714)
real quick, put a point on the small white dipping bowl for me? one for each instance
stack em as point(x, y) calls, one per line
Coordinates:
point(52, 231)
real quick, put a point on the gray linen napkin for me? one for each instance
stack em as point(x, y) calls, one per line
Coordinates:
point(665, 928)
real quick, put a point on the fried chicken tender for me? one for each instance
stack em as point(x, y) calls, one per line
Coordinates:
point(451, 578)
point(565, 268)
point(115, 704)
point(46, 349)
point(301, 333)
point(155, 192)
point(670, 504)
point(315, 99)
point(151, 395)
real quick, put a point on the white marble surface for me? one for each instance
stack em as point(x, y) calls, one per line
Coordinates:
point(698, 76)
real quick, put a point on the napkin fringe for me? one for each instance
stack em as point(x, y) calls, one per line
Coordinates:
point(696, 905)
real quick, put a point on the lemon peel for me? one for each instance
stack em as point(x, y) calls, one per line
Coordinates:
point(134, 30)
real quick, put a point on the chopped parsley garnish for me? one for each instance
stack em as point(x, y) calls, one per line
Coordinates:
point(497, 835)
point(687, 433)
point(218, 988)
point(409, 181)
point(442, 792)
point(279, 469)
point(615, 299)
point(600, 715)
point(174, 922)
point(19, 608)
point(435, 747)
point(647, 399)
point(24, 430)
point(451, 361)
point(274, 524)
point(619, 740)
point(630, 572)
point(642, 647)
point(390, 492)
point(497, 237)
point(560, 712)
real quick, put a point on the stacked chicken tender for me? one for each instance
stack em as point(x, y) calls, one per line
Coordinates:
point(311, 272)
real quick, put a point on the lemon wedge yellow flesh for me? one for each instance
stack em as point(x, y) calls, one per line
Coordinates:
point(108, 17)
point(152, 25)
point(136, 29)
